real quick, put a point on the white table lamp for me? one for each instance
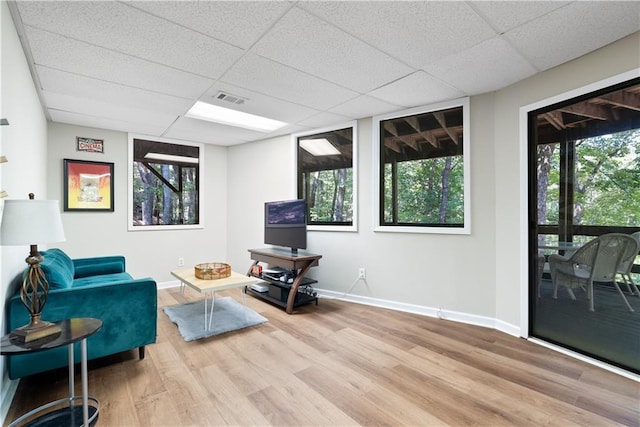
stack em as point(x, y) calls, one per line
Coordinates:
point(30, 222)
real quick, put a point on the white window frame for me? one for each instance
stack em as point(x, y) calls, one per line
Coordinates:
point(466, 153)
point(201, 185)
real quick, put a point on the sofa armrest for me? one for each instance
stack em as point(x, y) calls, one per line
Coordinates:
point(96, 266)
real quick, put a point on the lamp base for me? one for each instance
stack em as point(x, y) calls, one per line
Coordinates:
point(35, 331)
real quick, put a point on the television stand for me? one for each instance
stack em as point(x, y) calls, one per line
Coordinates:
point(285, 295)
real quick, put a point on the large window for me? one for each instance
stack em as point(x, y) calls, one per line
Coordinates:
point(327, 176)
point(423, 169)
point(164, 187)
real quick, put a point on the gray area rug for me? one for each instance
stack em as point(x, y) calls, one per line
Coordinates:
point(228, 315)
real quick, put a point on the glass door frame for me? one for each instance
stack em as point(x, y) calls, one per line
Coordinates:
point(529, 220)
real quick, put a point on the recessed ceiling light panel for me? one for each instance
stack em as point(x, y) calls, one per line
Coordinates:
point(214, 113)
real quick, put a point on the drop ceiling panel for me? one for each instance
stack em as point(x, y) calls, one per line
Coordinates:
point(56, 101)
point(287, 130)
point(364, 106)
point(322, 120)
point(304, 42)
point(240, 23)
point(66, 54)
point(54, 81)
point(130, 31)
point(574, 30)
point(417, 89)
point(501, 66)
point(414, 32)
point(283, 82)
point(259, 104)
point(506, 15)
point(104, 123)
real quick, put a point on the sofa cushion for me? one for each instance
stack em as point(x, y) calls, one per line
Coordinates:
point(101, 279)
point(58, 268)
point(99, 268)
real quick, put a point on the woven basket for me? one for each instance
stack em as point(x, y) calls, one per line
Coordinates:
point(212, 270)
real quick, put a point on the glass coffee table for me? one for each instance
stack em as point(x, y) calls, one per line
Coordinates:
point(70, 412)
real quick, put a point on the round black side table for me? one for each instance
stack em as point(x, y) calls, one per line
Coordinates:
point(73, 330)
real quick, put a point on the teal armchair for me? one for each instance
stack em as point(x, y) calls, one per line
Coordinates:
point(96, 287)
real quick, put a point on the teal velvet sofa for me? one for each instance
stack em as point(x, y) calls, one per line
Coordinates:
point(96, 287)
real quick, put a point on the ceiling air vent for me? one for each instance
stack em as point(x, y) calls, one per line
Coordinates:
point(234, 99)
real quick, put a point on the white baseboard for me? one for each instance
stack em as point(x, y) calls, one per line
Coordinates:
point(508, 328)
point(456, 316)
point(167, 285)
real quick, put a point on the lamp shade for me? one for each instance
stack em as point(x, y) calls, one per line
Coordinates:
point(31, 222)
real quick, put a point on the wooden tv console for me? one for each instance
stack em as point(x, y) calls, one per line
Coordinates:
point(299, 263)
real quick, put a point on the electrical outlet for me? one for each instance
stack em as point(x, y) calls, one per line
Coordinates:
point(180, 262)
point(361, 273)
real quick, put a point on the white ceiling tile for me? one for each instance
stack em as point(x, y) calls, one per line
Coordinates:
point(283, 82)
point(501, 66)
point(323, 120)
point(364, 106)
point(415, 90)
point(104, 123)
point(206, 132)
point(72, 104)
point(259, 104)
point(240, 23)
point(505, 15)
point(128, 30)
point(574, 30)
point(55, 81)
point(304, 42)
point(415, 32)
point(287, 130)
point(65, 54)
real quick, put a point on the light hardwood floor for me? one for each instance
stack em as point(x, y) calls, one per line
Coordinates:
point(344, 364)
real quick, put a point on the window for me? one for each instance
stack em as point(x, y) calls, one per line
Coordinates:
point(327, 176)
point(164, 184)
point(422, 169)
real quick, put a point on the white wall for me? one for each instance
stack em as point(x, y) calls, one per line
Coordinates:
point(24, 143)
point(416, 272)
point(476, 278)
point(149, 253)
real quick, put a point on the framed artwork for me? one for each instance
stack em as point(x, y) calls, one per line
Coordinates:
point(88, 186)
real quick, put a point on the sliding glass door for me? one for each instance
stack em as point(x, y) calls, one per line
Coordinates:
point(584, 162)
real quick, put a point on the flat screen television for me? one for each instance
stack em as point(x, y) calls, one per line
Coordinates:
point(285, 224)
